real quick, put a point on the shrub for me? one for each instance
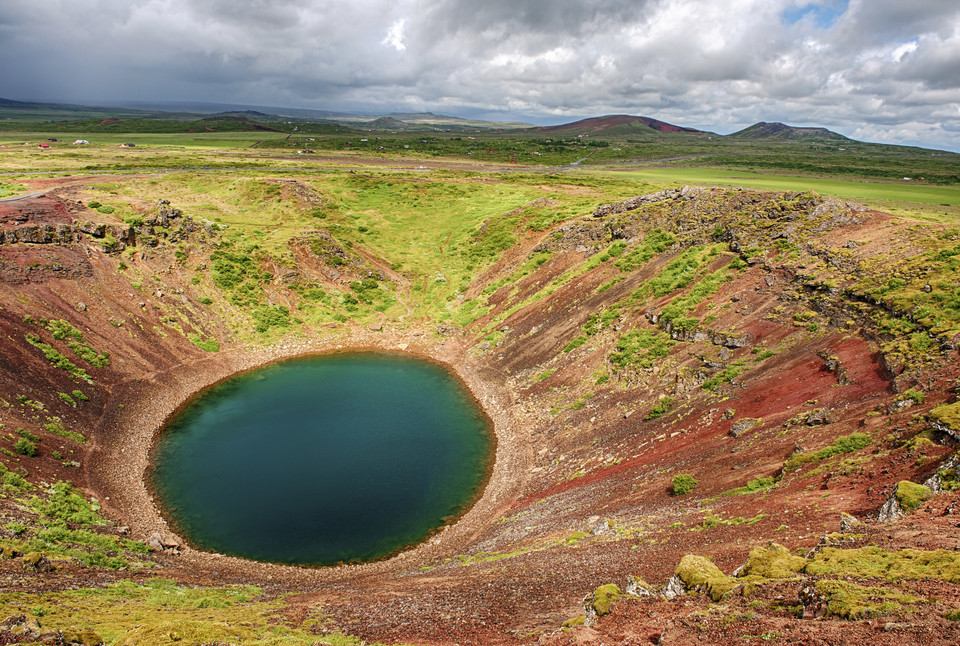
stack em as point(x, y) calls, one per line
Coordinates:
point(683, 484)
point(57, 359)
point(575, 343)
point(640, 348)
point(25, 447)
point(67, 504)
point(27, 434)
point(660, 409)
point(268, 316)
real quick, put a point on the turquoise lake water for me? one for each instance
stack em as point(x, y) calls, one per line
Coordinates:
point(321, 460)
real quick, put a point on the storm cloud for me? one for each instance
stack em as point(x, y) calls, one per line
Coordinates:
point(879, 70)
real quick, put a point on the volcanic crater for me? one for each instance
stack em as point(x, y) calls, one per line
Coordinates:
point(729, 336)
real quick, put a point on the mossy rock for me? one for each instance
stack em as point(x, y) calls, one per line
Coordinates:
point(699, 573)
point(852, 601)
point(573, 622)
point(773, 562)
point(37, 561)
point(911, 495)
point(604, 597)
point(948, 415)
point(184, 633)
point(81, 636)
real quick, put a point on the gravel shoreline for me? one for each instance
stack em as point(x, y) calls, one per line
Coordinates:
point(139, 409)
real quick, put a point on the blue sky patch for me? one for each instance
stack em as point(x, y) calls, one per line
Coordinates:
point(823, 13)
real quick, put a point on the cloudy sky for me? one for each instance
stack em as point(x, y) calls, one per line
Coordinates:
point(877, 70)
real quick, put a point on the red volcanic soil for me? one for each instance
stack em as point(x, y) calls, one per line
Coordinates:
point(39, 210)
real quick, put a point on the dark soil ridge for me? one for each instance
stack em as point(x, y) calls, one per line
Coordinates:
point(580, 494)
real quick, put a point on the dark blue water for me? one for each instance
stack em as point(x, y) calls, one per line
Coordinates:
point(322, 460)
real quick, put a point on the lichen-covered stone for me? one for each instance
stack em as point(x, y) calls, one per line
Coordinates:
point(698, 573)
point(911, 495)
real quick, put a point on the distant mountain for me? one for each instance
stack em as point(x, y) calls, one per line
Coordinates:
point(242, 115)
point(423, 121)
point(263, 111)
point(777, 130)
point(617, 124)
point(17, 105)
point(387, 123)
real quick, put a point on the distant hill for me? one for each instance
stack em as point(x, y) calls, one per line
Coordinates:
point(387, 123)
point(617, 124)
point(424, 121)
point(777, 130)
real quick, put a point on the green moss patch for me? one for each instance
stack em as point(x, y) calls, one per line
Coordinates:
point(160, 612)
point(843, 444)
point(852, 601)
point(639, 349)
point(773, 562)
point(875, 562)
point(573, 622)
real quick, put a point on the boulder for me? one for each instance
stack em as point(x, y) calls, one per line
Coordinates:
point(741, 426)
point(38, 562)
point(849, 523)
point(637, 587)
point(157, 542)
point(674, 588)
point(891, 510)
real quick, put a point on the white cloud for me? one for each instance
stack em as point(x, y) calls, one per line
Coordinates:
point(394, 36)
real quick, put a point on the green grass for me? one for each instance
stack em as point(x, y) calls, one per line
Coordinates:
point(879, 193)
point(640, 348)
point(55, 357)
point(159, 611)
point(844, 444)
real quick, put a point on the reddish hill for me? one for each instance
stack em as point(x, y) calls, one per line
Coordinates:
point(617, 124)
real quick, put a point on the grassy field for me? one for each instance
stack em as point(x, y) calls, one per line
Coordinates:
point(907, 198)
point(181, 140)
